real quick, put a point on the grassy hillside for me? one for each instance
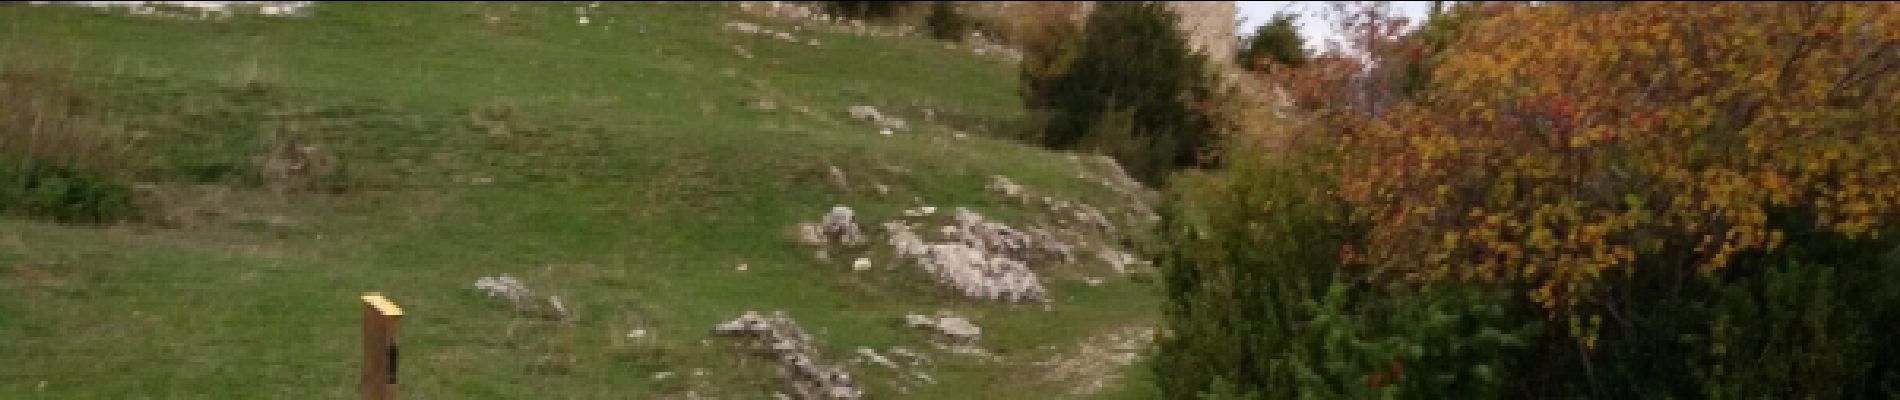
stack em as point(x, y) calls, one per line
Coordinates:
point(613, 164)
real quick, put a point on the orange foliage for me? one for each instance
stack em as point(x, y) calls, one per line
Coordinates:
point(1559, 146)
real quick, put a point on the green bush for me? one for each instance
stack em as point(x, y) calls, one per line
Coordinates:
point(1787, 333)
point(1261, 303)
point(1275, 41)
point(1131, 58)
point(1454, 341)
point(867, 10)
point(1051, 43)
point(1242, 251)
point(1808, 320)
point(63, 194)
point(945, 22)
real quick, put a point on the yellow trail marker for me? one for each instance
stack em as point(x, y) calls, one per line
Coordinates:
point(380, 318)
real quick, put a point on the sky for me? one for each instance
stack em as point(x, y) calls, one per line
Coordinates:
point(1313, 22)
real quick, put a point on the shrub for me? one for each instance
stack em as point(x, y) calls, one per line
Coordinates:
point(1242, 252)
point(63, 193)
point(1051, 43)
point(1787, 332)
point(56, 160)
point(1131, 58)
point(945, 22)
point(1262, 303)
point(868, 10)
point(1276, 41)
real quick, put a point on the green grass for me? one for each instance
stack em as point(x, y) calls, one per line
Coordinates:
point(630, 182)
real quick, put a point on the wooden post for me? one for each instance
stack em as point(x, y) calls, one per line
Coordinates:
point(380, 318)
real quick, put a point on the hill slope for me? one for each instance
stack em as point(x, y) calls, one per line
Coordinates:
point(615, 164)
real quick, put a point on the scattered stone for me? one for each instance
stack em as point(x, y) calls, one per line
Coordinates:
point(885, 124)
point(1051, 247)
point(882, 189)
point(811, 233)
point(981, 261)
point(1093, 218)
point(840, 226)
point(743, 27)
point(1002, 184)
point(1118, 260)
point(975, 274)
point(196, 10)
point(1092, 281)
point(837, 227)
point(919, 321)
point(893, 123)
point(662, 375)
point(869, 355)
point(947, 329)
point(866, 113)
point(838, 178)
point(913, 357)
point(560, 309)
point(782, 339)
point(959, 331)
point(896, 170)
point(1118, 180)
point(504, 286)
point(761, 104)
point(905, 242)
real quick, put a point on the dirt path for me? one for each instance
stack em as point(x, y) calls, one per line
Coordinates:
point(1097, 362)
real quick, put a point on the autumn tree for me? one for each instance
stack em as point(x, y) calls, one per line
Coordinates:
point(1563, 146)
point(1689, 200)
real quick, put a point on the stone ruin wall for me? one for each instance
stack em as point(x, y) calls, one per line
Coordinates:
point(1210, 27)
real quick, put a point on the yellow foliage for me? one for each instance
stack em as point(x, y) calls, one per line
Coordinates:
point(1563, 137)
